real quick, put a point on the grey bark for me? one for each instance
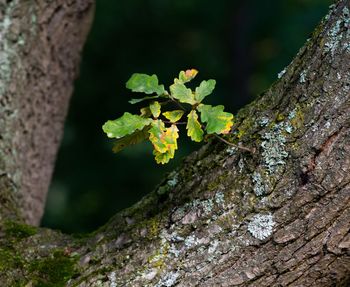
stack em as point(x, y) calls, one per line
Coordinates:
point(277, 217)
point(40, 44)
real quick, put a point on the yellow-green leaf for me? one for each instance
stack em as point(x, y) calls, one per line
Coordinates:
point(169, 138)
point(188, 75)
point(161, 157)
point(135, 138)
point(155, 109)
point(156, 134)
point(180, 92)
point(173, 116)
point(194, 130)
point(217, 120)
point(125, 125)
point(204, 89)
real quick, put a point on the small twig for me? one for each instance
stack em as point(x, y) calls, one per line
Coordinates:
point(176, 123)
point(233, 145)
point(177, 103)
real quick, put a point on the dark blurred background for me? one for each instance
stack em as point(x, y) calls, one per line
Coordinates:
point(241, 44)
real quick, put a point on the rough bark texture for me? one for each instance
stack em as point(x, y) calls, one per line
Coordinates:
point(277, 217)
point(40, 44)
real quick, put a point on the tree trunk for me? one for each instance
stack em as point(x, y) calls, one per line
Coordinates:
point(277, 217)
point(40, 44)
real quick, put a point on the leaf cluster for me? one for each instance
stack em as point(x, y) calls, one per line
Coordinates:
point(158, 124)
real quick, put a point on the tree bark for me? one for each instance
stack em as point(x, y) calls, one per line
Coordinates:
point(40, 44)
point(277, 217)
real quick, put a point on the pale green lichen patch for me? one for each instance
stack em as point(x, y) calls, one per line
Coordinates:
point(168, 279)
point(336, 34)
point(263, 121)
point(112, 279)
point(10, 43)
point(274, 152)
point(274, 148)
point(7, 48)
point(261, 226)
point(231, 150)
point(173, 180)
point(259, 185)
point(219, 198)
point(191, 241)
point(280, 74)
point(178, 239)
point(197, 209)
point(295, 119)
point(303, 76)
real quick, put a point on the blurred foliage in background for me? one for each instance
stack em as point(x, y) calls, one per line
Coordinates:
point(241, 44)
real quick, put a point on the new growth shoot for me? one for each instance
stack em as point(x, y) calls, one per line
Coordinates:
point(159, 125)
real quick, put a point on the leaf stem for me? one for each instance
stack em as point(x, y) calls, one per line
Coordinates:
point(177, 103)
point(233, 145)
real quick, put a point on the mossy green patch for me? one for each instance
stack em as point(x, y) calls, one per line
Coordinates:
point(19, 230)
point(163, 189)
point(227, 220)
point(157, 260)
point(240, 133)
point(244, 128)
point(9, 260)
point(214, 184)
point(152, 225)
point(53, 271)
point(280, 117)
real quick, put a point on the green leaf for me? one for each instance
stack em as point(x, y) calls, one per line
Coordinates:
point(125, 125)
point(135, 138)
point(155, 135)
point(169, 138)
point(194, 130)
point(135, 101)
point(204, 89)
point(173, 116)
point(155, 109)
point(143, 83)
point(217, 120)
point(180, 92)
point(188, 75)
